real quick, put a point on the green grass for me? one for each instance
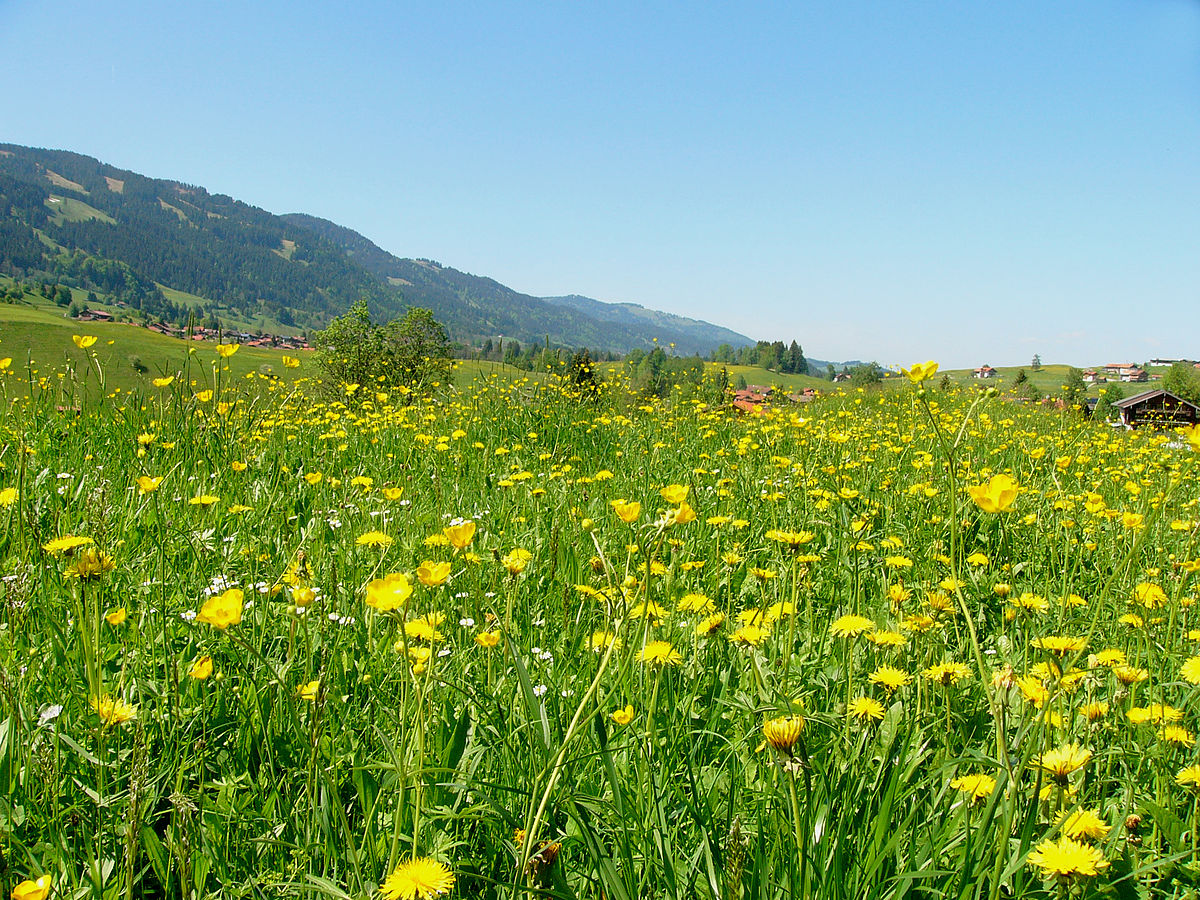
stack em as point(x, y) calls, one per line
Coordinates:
point(462, 708)
point(68, 209)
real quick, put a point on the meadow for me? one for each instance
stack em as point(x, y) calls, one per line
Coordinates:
point(260, 638)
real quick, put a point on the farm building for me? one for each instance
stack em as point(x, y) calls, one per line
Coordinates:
point(1157, 408)
point(986, 372)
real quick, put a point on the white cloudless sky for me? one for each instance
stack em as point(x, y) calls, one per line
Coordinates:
point(973, 183)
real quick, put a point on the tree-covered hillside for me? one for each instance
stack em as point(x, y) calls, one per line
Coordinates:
point(69, 218)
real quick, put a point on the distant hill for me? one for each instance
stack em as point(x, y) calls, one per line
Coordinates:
point(171, 249)
point(482, 307)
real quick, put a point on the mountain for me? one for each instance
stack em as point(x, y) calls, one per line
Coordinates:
point(482, 307)
point(171, 249)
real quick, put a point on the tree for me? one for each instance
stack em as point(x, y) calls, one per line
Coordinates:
point(1036, 365)
point(1183, 381)
point(1075, 390)
point(412, 352)
point(865, 375)
point(796, 363)
point(1108, 397)
point(1020, 378)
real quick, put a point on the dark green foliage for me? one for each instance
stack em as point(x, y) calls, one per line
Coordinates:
point(1183, 380)
point(1074, 392)
point(1108, 396)
point(866, 374)
point(411, 352)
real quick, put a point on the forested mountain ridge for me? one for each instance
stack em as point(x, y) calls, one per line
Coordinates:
point(66, 216)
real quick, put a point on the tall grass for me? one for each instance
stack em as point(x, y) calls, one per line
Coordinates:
point(474, 723)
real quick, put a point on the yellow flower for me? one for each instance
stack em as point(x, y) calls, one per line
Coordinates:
point(851, 626)
point(783, 732)
point(627, 511)
point(432, 574)
point(865, 708)
point(202, 668)
point(978, 786)
point(83, 341)
point(1149, 595)
point(424, 628)
point(919, 372)
point(750, 635)
point(623, 716)
point(947, 673)
point(710, 624)
point(163, 382)
point(418, 879)
point(682, 515)
point(793, 539)
point(1175, 734)
point(204, 396)
point(5, 363)
point(204, 500)
point(516, 561)
point(889, 677)
point(660, 653)
point(1060, 644)
point(66, 544)
point(91, 565)
point(675, 493)
point(1067, 857)
point(116, 617)
point(113, 710)
point(460, 534)
point(487, 639)
point(148, 485)
point(310, 690)
point(222, 610)
point(8, 496)
point(997, 496)
point(1188, 777)
point(32, 889)
point(1084, 824)
point(390, 592)
point(290, 362)
point(374, 539)
point(1191, 670)
point(227, 350)
point(1062, 761)
point(313, 478)
point(601, 640)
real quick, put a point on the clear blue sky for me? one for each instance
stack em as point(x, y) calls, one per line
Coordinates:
point(972, 182)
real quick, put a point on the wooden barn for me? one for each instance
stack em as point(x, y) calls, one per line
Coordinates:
point(1157, 408)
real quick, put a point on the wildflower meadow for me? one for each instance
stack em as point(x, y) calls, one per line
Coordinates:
point(263, 637)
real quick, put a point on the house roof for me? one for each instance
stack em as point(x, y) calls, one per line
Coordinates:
point(1138, 399)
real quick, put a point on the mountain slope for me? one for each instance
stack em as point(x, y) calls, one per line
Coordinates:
point(69, 218)
point(491, 308)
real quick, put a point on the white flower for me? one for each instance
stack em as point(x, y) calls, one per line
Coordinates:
point(540, 690)
point(49, 714)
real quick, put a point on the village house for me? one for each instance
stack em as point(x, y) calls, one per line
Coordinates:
point(986, 372)
point(1135, 375)
point(1091, 376)
point(1157, 408)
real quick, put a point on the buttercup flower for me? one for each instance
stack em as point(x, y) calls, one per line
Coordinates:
point(432, 574)
point(623, 716)
point(390, 592)
point(920, 372)
point(222, 610)
point(33, 889)
point(997, 496)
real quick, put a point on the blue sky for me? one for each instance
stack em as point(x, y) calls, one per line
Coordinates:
point(961, 181)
